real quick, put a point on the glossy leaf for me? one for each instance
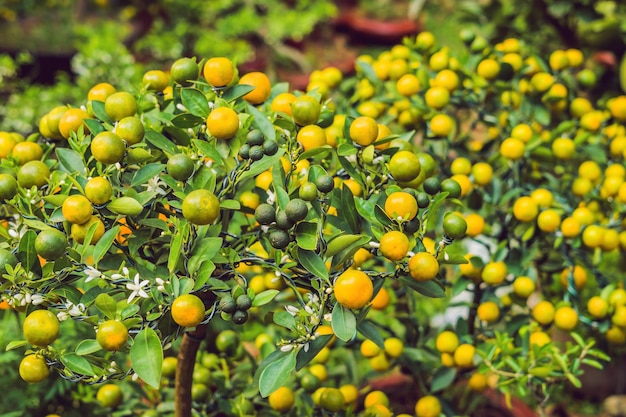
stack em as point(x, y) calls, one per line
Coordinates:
point(146, 357)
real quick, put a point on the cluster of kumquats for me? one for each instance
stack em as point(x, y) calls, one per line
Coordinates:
point(322, 236)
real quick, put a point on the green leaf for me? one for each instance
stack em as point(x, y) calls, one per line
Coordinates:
point(195, 101)
point(98, 110)
point(342, 242)
point(146, 357)
point(127, 206)
point(107, 305)
point(161, 142)
point(70, 161)
point(15, 344)
point(146, 173)
point(306, 235)
point(262, 122)
point(264, 297)
point(312, 262)
point(87, 347)
point(369, 330)
point(430, 288)
point(77, 364)
point(304, 357)
point(176, 246)
point(187, 121)
point(442, 379)
point(285, 319)
point(103, 245)
point(230, 204)
point(94, 126)
point(343, 323)
point(274, 375)
point(207, 149)
point(27, 254)
point(236, 91)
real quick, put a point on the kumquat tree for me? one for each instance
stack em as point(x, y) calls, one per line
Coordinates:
point(213, 243)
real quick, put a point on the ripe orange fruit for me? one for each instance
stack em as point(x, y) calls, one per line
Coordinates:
point(423, 266)
point(363, 130)
point(79, 231)
point(282, 399)
point(188, 310)
point(76, 209)
point(394, 245)
point(311, 137)
point(525, 209)
point(261, 84)
point(109, 395)
point(543, 312)
point(353, 289)
point(112, 335)
point(565, 318)
point(494, 273)
point(428, 406)
point(71, 120)
point(223, 123)
point(464, 355)
point(219, 71)
point(201, 207)
point(98, 190)
point(282, 103)
point(401, 204)
point(100, 92)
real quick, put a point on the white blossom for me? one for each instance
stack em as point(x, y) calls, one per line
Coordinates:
point(161, 284)
point(286, 348)
point(291, 310)
point(75, 310)
point(124, 274)
point(92, 273)
point(137, 288)
point(154, 185)
point(62, 316)
point(37, 299)
point(271, 197)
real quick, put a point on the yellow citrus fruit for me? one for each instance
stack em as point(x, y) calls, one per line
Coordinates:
point(494, 273)
point(112, 335)
point(394, 245)
point(41, 328)
point(188, 310)
point(51, 244)
point(305, 110)
point(543, 312)
point(353, 289)
point(523, 286)
point(369, 349)
point(108, 148)
point(577, 273)
point(464, 355)
point(71, 121)
point(548, 220)
point(77, 209)
point(394, 347)
point(401, 204)
point(130, 129)
point(24, 152)
point(375, 397)
point(109, 395)
point(155, 80)
point(119, 105)
point(34, 368)
point(482, 173)
point(98, 190)
point(100, 92)
point(441, 125)
point(447, 342)
point(201, 207)
point(261, 84)
point(218, 71)
point(282, 399)
point(223, 123)
point(423, 266)
point(597, 307)
point(428, 406)
point(566, 318)
point(488, 311)
point(475, 224)
point(381, 299)
point(525, 209)
point(79, 231)
point(364, 130)
point(311, 137)
point(478, 382)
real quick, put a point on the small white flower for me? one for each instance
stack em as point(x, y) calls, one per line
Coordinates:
point(378, 160)
point(75, 310)
point(286, 348)
point(137, 288)
point(308, 309)
point(135, 377)
point(291, 310)
point(154, 185)
point(306, 347)
point(328, 317)
point(161, 284)
point(124, 274)
point(36, 299)
point(62, 316)
point(92, 273)
point(180, 107)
